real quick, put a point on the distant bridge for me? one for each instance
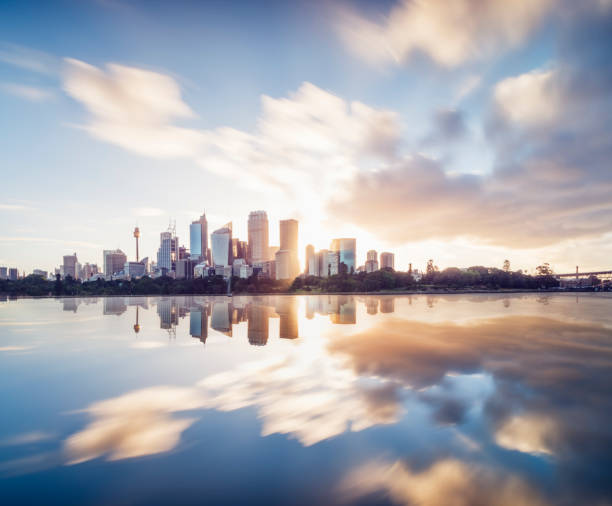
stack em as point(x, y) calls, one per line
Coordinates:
point(584, 274)
point(577, 278)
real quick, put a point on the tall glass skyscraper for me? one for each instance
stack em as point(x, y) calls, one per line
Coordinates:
point(347, 251)
point(221, 244)
point(258, 237)
point(198, 238)
point(167, 254)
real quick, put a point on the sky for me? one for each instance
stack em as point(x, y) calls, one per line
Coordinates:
point(468, 132)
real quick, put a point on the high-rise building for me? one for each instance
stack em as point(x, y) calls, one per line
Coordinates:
point(239, 249)
point(13, 274)
point(287, 264)
point(347, 251)
point(168, 251)
point(258, 237)
point(70, 266)
point(311, 261)
point(371, 264)
point(114, 261)
point(221, 241)
point(387, 260)
point(198, 238)
point(3, 273)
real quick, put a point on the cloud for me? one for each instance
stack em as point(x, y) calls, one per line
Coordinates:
point(450, 33)
point(311, 136)
point(435, 485)
point(76, 244)
point(550, 181)
point(529, 433)
point(135, 424)
point(31, 93)
point(14, 207)
point(29, 59)
point(448, 126)
point(148, 211)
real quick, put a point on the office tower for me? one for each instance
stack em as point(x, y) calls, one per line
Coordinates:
point(168, 251)
point(114, 261)
point(70, 266)
point(287, 264)
point(371, 264)
point(258, 237)
point(3, 273)
point(387, 260)
point(221, 240)
point(13, 274)
point(322, 263)
point(198, 238)
point(347, 251)
point(311, 260)
point(185, 268)
point(239, 249)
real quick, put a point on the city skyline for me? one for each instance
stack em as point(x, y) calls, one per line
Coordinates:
point(482, 140)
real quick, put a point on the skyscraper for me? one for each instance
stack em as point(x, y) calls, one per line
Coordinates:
point(371, 264)
point(347, 251)
point(258, 237)
point(70, 266)
point(287, 265)
point(387, 260)
point(221, 242)
point(114, 260)
point(168, 251)
point(311, 262)
point(198, 238)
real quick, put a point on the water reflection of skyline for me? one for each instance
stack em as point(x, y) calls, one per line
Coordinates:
point(493, 400)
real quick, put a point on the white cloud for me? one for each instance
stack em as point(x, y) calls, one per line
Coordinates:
point(148, 211)
point(450, 33)
point(28, 59)
point(529, 99)
point(31, 93)
point(312, 136)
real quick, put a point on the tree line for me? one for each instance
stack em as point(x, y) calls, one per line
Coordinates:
point(475, 277)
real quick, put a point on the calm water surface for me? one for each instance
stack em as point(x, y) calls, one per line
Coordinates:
point(428, 400)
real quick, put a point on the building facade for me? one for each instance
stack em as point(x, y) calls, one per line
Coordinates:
point(70, 266)
point(258, 237)
point(387, 260)
point(347, 251)
point(221, 242)
point(287, 263)
point(168, 251)
point(198, 238)
point(114, 261)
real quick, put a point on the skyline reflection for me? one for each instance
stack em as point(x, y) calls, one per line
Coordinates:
point(400, 399)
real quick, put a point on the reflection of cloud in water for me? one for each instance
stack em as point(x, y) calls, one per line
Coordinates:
point(307, 397)
point(135, 424)
point(539, 365)
point(311, 399)
point(528, 433)
point(445, 483)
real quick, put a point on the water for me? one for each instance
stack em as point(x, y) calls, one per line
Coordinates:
point(429, 400)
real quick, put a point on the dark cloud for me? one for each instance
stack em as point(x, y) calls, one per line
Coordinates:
point(551, 178)
point(448, 126)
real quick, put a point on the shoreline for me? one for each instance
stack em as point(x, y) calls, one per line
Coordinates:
point(305, 293)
